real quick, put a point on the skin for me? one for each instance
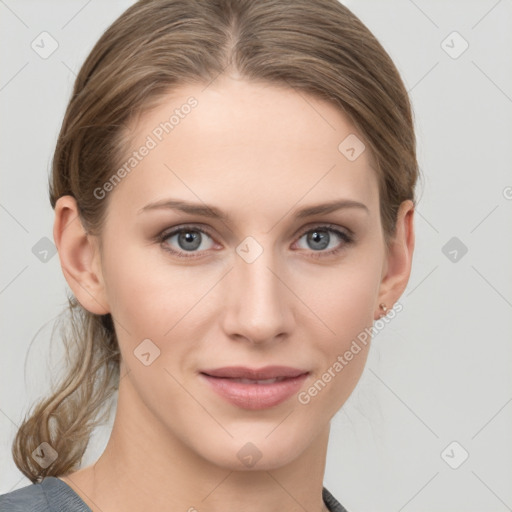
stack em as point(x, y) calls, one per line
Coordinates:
point(259, 153)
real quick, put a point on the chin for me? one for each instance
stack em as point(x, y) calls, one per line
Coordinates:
point(257, 451)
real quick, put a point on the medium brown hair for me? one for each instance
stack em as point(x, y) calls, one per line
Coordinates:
point(317, 47)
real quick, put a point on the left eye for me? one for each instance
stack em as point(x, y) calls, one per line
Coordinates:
point(320, 237)
point(191, 239)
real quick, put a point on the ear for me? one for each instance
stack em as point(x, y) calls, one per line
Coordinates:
point(79, 257)
point(397, 268)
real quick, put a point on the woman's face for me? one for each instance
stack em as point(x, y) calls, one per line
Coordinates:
point(266, 285)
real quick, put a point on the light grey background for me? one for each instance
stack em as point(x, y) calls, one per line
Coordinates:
point(440, 372)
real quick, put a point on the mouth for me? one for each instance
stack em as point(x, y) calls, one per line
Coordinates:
point(259, 374)
point(255, 381)
point(255, 389)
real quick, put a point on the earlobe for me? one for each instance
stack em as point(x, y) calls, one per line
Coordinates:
point(399, 258)
point(79, 257)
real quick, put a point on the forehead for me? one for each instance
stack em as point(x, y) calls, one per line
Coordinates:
point(245, 144)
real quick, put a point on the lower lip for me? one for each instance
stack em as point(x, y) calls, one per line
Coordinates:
point(255, 396)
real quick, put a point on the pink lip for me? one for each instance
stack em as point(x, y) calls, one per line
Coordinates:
point(255, 396)
point(242, 372)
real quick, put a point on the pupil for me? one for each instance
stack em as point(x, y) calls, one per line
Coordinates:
point(187, 237)
point(317, 237)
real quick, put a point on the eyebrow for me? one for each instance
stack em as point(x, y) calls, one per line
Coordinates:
point(210, 211)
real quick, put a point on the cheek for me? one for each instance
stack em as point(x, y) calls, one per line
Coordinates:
point(146, 294)
point(344, 298)
point(154, 300)
point(346, 307)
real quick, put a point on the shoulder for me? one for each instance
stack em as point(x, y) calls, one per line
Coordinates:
point(50, 495)
point(30, 498)
point(332, 503)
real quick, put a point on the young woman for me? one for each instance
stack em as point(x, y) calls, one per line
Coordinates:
point(233, 187)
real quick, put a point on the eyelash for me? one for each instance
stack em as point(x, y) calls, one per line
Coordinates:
point(345, 237)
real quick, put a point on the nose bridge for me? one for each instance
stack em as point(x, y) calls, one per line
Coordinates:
point(257, 304)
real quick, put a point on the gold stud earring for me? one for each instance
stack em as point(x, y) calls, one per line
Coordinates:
point(384, 310)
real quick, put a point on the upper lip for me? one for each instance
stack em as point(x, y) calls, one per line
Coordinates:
point(242, 372)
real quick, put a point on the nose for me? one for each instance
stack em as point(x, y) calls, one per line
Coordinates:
point(259, 305)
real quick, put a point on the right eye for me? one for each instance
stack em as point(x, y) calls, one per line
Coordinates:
point(188, 239)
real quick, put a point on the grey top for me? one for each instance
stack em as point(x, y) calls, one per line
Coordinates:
point(54, 495)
